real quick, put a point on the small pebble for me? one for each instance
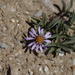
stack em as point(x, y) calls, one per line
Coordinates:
point(4, 6)
point(27, 12)
point(12, 45)
point(61, 53)
point(17, 21)
point(12, 20)
point(38, 14)
point(61, 70)
point(46, 69)
point(73, 61)
point(41, 69)
point(49, 4)
point(13, 9)
point(18, 24)
point(30, 72)
point(10, 58)
point(1, 21)
point(3, 45)
point(4, 28)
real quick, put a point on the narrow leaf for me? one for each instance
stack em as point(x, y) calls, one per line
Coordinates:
point(52, 50)
point(52, 23)
point(73, 28)
point(43, 18)
point(64, 6)
point(65, 48)
point(34, 20)
point(59, 27)
point(54, 36)
point(70, 5)
point(68, 42)
point(71, 38)
point(51, 44)
point(73, 18)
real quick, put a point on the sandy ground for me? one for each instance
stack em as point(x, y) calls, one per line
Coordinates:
point(13, 58)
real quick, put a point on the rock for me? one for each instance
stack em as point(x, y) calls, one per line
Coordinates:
point(73, 61)
point(17, 21)
point(13, 9)
point(61, 54)
point(46, 69)
point(41, 69)
point(1, 21)
point(38, 14)
point(30, 72)
point(4, 6)
point(27, 12)
point(12, 20)
point(49, 4)
point(3, 45)
point(12, 45)
point(61, 70)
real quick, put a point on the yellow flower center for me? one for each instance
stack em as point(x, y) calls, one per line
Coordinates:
point(39, 39)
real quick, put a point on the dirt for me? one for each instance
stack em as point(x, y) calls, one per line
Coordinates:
point(14, 15)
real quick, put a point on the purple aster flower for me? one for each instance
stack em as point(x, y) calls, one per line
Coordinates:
point(39, 40)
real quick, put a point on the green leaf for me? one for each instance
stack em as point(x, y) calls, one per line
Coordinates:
point(43, 18)
point(73, 28)
point(64, 35)
point(52, 50)
point(73, 18)
point(54, 36)
point(59, 27)
point(73, 47)
point(71, 37)
point(64, 47)
point(52, 23)
point(70, 5)
point(64, 6)
point(34, 20)
point(51, 44)
point(57, 41)
point(68, 42)
point(39, 24)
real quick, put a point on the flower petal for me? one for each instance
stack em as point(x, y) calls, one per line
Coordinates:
point(42, 31)
point(48, 41)
point(37, 46)
point(31, 34)
point(41, 48)
point(47, 34)
point(29, 38)
point(39, 30)
point(33, 31)
point(33, 47)
point(31, 44)
point(44, 46)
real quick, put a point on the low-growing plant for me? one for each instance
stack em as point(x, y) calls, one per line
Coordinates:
point(57, 28)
